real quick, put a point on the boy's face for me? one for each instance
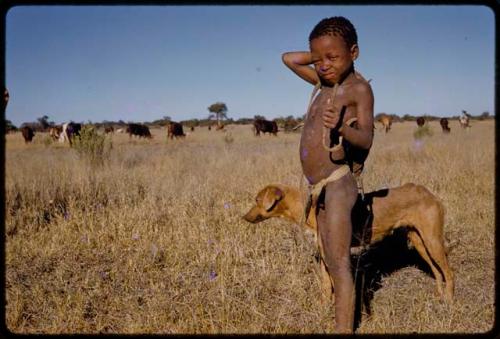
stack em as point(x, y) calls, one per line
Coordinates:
point(331, 57)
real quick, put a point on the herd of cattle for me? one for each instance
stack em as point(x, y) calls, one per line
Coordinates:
point(68, 131)
point(464, 120)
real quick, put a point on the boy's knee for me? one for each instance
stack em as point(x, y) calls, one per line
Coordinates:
point(338, 264)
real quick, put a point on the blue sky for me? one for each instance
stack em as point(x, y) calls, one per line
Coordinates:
point(140, 63)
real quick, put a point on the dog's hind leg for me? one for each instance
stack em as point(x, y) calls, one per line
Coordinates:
point(435, 249)
point(434, 242)
point(420, 247)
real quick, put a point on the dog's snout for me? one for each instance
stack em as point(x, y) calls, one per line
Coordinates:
point(253, 216)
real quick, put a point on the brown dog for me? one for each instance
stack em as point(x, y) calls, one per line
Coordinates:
point(410, 205)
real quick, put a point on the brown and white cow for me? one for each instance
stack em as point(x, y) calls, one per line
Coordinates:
point(109, 129)
point(69, 131)
point(465, 120)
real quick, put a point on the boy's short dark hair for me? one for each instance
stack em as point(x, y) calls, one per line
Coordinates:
point(337, 25)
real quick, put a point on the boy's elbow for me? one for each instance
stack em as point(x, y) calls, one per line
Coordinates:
point(285, 57)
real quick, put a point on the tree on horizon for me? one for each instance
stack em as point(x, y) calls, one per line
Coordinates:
point(218, 110)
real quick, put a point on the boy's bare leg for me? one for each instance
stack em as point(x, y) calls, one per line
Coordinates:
point(334, 223)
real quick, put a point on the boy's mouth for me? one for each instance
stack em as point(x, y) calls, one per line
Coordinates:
point(329, 75)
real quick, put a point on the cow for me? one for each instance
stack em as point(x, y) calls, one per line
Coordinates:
point(386, 121)
point(444, 125)
point(142, 131)
point(420, 121)
point(465, 120)
point(174, 129)
point(265, 126)
point(120, 130)
point(55, 131)
point(27, 133)
point(209, 127)
point(192, 128)
point(108, 129)
point(219, 127)
point(69, 131)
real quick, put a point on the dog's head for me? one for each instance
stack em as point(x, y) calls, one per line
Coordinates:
point(267, 204)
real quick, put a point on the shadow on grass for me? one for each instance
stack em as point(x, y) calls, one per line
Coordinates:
point(382, 259)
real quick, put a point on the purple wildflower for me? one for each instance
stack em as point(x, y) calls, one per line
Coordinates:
point(212, 275)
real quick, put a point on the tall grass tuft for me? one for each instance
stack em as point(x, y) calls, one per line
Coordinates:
point(92, 147)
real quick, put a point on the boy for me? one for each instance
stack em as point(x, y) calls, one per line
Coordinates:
point(344, 95)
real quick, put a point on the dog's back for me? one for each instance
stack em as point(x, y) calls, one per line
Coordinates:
point(408, 205)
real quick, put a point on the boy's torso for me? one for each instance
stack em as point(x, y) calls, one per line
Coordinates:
point(317, 162)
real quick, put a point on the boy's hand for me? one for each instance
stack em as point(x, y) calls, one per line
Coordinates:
point(330, 116)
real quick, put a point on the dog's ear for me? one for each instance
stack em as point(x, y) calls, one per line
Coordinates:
point(271, 198)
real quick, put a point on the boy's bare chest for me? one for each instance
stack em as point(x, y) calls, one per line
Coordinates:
point(340, 102)
point(316, 160)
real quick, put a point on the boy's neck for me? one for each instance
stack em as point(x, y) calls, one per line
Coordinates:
point(342, 77)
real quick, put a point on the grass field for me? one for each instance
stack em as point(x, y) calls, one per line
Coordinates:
point(153, 241)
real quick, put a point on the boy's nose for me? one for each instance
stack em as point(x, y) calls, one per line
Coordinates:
point(325, 66)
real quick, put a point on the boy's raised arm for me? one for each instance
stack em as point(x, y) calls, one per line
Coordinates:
point(299, 63)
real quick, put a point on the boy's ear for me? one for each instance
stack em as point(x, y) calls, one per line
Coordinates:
point(354, 51)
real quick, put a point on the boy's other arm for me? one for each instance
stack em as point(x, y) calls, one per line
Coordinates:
point(299, 63)
point(363, 135)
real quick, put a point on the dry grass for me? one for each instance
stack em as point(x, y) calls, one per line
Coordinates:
point(153, 241)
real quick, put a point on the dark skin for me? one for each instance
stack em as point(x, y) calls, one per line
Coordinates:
point(330, 61)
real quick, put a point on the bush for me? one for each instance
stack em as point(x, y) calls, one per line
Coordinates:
point(92, 146)
point(423, 131)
